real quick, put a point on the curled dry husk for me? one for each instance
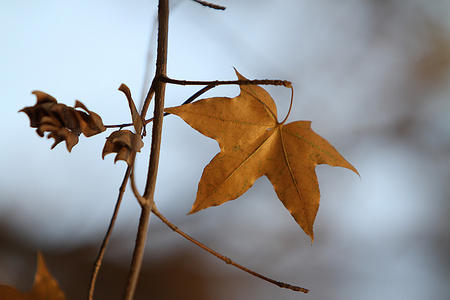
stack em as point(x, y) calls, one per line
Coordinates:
point(125, 143)
point(64, 123)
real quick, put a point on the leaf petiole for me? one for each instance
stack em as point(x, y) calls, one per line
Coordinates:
point(290, 106)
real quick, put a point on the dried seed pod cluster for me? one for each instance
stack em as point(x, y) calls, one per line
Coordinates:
point(125, 143)
point(64, 123)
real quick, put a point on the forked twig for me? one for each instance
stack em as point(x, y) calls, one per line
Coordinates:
point(210, 85)
point(224, 258)
point(135, 190)
point(159, 88)
point(206, 248)
point(148, 98)
point(101, 253)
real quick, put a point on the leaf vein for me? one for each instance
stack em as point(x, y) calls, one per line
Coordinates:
point(313, 145)
point(291, 173)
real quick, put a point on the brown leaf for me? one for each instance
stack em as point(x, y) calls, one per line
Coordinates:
point(45, 286)
point(125, 143)
point(137, 120)
point(90, 122)
point(58, 132)
point(63, 123)
point(40, 109)
point(253, 143)
point(10, 293)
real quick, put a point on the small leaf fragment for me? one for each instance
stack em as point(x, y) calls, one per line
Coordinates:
point(90, 122)
point(64, 123)
point(125, 143)
point(40, 109)
point(45, 287)
point(10, 293)
point(58, 132)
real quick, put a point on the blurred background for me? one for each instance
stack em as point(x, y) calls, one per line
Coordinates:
point(372, 75)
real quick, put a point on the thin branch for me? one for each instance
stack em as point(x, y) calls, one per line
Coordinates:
point(148, 98)
point(210, 5)
point(159, 88)
point(224, 258)
point(135, 190)
point(101, 253)
point(138, 253)
point(198, 94)
point(284, 83)
point(120, 126)
point(147, 101)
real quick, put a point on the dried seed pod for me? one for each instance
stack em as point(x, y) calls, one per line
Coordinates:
point(90, 122)
point(125, 143)
point(58, 132)
point(64, 123)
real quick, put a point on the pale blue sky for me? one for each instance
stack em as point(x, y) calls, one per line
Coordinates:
point(352, 66)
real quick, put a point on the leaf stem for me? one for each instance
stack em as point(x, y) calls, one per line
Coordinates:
point(101, 253)
point(227, 82)
point(224, 258)
point(159, 90)
point(290, 106)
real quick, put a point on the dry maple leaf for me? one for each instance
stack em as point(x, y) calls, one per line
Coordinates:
point(45, 286)
point(64, 123)
point(252, 144)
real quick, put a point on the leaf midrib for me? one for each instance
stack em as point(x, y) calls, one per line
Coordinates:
point(251, 154)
